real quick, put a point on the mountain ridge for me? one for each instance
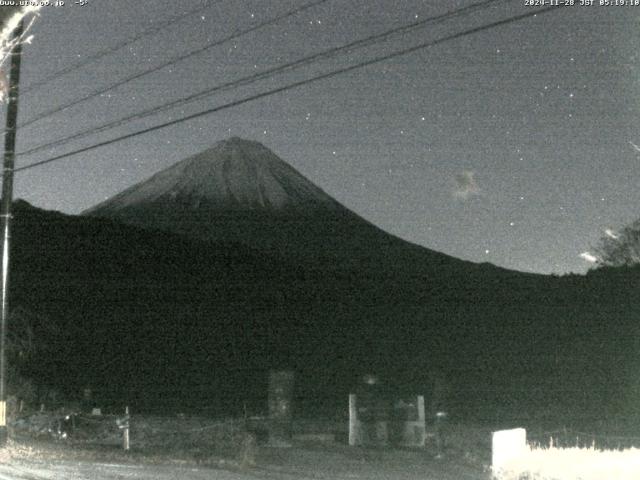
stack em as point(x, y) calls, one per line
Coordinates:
point(163, 311)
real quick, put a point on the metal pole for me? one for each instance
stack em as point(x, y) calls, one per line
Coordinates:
point(126, 444)
point(5, 217)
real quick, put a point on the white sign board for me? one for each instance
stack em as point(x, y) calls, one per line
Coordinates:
point(506, 447)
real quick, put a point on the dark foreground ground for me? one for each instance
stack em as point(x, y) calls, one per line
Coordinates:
point(304, 460)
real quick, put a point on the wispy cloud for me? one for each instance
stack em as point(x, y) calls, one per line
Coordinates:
point(588, 257)
point(465, 185)
point(635, 147)
point(611, 234)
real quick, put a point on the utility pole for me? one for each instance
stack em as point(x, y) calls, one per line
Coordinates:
point(5, 217)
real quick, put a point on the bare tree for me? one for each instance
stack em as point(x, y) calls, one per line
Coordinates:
point(621, 248)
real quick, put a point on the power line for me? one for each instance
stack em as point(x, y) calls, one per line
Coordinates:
point(170, 62)
point(103, 53)
point(297, 84)
point(267, 73)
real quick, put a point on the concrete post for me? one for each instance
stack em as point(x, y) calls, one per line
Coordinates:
point(280, 403)
point(354, 424)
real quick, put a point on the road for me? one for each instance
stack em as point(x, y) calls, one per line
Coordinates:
point(110, 471)
point(294, 464)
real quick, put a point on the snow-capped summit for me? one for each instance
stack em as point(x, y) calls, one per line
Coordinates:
point(234, 174)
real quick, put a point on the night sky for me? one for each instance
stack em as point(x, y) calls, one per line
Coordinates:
point(517, 145)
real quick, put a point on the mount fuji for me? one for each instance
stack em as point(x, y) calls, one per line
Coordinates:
point(240, 191)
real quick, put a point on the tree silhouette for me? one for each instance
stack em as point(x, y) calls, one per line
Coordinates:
point(621, 248)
